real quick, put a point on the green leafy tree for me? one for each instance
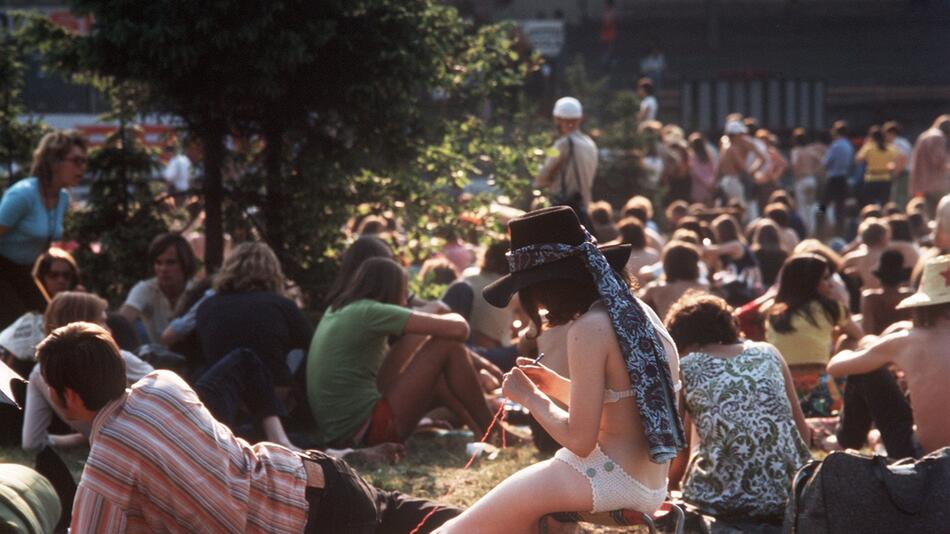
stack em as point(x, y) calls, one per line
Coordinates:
point(18, 137)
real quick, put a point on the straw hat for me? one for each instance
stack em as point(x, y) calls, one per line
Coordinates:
point(934, 286)
point(548, 226)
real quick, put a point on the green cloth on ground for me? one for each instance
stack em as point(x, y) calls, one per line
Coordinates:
point(28, 502)
point(345, 354)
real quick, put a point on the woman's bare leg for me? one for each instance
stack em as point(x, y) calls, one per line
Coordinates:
point(516, 505)
point(411, 393)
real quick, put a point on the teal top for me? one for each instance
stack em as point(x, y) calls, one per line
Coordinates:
point(31, 226)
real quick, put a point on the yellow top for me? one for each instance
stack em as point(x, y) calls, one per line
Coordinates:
point(877, 161)
point(807, 343)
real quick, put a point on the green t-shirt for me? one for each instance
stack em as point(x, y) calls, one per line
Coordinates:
point(345, 354)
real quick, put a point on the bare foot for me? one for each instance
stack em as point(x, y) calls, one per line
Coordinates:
point(390, 453)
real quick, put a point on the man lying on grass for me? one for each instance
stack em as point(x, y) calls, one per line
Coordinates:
point(159, 461)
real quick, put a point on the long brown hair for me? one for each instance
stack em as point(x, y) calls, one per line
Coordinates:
point(379, 279)
point(798, 288)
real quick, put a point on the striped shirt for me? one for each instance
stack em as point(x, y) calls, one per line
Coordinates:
point(160, 462)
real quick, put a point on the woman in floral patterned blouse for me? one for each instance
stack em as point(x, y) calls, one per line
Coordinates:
point(739, 397)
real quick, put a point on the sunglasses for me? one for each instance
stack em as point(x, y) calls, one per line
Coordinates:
point(59, 274)
point(79, 161)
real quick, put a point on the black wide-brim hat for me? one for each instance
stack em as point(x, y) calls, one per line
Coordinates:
point(557, 225)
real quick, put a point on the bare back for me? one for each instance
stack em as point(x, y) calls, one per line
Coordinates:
point(923, 357)
point(621, 436)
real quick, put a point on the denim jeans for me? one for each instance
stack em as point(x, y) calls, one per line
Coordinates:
point(876, 398)
point(239, 379)
point(347, 504)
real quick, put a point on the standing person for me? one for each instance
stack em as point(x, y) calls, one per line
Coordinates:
point(153, 300)
point(608, 32)
point(892, 136)
point(801, 322)
point(702, 169)
point(734, 166)
point(806, 169)
point(569, 176)
point(649, 107)
point(882, 163)
point(741, 399)
point(178, 172)
point(31, 218)
point(350, 404)
point(653, 65)
point(930, 163)
point(620, 428)
point(160, 462)
point(767, 180)
point(837, 163)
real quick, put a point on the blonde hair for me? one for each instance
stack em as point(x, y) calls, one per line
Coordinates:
point(53, 148)
point(250, 267)
point(71, 307)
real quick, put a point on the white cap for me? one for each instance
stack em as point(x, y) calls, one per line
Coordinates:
point(736, 128)
point(568, 108)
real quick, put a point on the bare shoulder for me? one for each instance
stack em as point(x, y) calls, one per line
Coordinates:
point(595, 322)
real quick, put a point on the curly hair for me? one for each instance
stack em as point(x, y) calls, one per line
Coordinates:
point(251, 266)
point(699, 318)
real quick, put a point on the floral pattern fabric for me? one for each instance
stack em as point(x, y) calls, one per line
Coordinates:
point(644, 356)
point(749, 447)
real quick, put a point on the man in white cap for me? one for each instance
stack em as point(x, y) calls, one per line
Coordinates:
point(569, 176)
point(919, 351)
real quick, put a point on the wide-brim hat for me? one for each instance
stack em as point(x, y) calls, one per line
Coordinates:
point(934, 285)
point(557, 225)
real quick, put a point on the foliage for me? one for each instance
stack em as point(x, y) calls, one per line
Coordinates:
point(18, 137)
point(120, 218)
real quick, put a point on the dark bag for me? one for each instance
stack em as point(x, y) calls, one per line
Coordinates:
point(852, 493)
point(575, 200)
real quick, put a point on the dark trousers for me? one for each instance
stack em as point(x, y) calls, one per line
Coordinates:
point(239, 379)
point(18, 292)
point(876, 193)
point(876, 398)
point(347, 504)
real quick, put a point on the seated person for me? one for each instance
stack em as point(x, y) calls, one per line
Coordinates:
point(66, 307)
point(350, 405)
point(632, 233)
point(602, 216)
point(862, 261)
point(680, 274)
point(492, 327)
point(249, 311)
point(801, 321)
point(917, 352)
point(879, 306)
point(160, 461)
point(154, 299)
point(740, 398)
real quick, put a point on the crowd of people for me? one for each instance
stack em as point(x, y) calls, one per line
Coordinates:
point(743, 311)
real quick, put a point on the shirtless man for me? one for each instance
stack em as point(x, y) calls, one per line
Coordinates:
point(917, 352)
point(734, 163)
point(806, 168)
point(862, 262)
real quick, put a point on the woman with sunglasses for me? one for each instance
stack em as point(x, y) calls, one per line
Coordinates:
point(31, 218)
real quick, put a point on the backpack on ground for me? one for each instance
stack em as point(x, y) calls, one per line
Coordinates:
point(851, 493)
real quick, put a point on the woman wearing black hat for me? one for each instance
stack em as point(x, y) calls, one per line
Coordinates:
point(619, 428)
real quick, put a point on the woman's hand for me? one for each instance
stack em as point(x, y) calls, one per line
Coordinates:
point(542, 377)
point(517, 387)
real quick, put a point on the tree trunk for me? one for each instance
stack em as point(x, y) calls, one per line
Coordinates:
point(275, 206)
point(212, 142)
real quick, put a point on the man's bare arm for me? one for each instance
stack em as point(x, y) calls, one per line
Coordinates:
point(880, 353)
